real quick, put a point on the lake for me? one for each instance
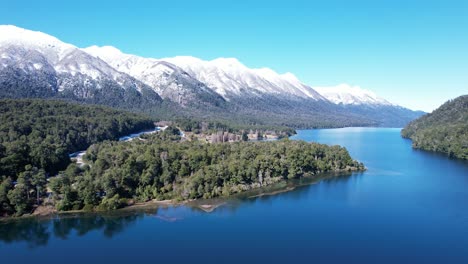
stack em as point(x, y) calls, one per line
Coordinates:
point(410, 206)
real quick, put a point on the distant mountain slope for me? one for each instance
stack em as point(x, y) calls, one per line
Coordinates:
point(346, 94)
point(444, 130)
point(168, 80)
point(34, 64)
point(365, 103)
point(37, 65)
point(230, 78)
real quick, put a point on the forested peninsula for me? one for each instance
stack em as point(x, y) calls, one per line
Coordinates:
point(445, 130)
point(35, 170)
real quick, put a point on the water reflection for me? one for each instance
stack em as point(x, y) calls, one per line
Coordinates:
point(293, 189)
point(37, 232)
point(110, 225)
point(31, 231)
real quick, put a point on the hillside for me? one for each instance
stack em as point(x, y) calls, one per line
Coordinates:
point(41, 133)
point(445, 130)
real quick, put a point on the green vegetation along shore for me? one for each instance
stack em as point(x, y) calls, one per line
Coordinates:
point(161, 167)
point(445, 130)
point(37, 136)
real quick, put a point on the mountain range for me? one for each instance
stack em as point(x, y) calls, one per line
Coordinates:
point(36, 65)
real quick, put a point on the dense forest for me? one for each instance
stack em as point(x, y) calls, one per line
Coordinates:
point(37, 136)
point(445, 130)
point(160, 166)
point(207, 127)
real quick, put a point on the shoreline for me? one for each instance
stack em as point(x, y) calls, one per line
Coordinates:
point(206, 205)
point(48, 211)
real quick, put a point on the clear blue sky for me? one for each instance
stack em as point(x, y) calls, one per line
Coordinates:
point(414, 53)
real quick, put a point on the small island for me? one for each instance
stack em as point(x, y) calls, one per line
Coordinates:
point(445, 130)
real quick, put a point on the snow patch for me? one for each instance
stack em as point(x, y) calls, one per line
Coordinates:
point(37, 66)
point(52, 48)
point(350, 95)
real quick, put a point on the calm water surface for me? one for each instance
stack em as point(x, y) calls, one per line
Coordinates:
point(409, 207)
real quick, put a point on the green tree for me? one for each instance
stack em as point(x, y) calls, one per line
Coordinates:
point(18, 198)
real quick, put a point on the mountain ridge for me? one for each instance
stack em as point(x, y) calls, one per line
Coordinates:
point(34, 64)
point(28, 56)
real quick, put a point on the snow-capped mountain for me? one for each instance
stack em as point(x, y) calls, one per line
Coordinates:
point(168, 80)
point(34, 64)
point(346, 94)
point(224, 76)
point(230, 78)
point(50, 47)
point(354, 99)
point(33, 60)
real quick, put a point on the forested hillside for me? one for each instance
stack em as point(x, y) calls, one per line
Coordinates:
point(42, 133)
point(445, 130)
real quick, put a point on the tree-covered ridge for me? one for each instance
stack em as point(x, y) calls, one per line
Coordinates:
point(160, 167)
point(444, 130)
point(42, 133)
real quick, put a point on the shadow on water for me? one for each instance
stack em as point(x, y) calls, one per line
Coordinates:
point(109, 224)
point(37, 232)
point(34, 233)
point(442, 156)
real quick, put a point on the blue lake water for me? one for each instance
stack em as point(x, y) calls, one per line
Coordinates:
point(410, 206)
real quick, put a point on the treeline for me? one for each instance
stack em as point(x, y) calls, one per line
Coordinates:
point(160, 167)
point(213, 126)
point(444, 130)
point(37, 136)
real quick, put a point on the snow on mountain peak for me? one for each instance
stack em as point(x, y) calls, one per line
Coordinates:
point(290, 77)
point(13, 33)
point(350, 95)
point(50, 46)
point(228, 62)
point(226, 76)
point(266, 72)
point(104, 51)
point(229, 77)
point(183, 60)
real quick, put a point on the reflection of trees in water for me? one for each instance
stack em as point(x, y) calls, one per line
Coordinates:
point(110, 225)
point(37, 233)
point(295, 189)
point(33, 232)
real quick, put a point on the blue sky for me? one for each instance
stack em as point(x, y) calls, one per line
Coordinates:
point(414, 53)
